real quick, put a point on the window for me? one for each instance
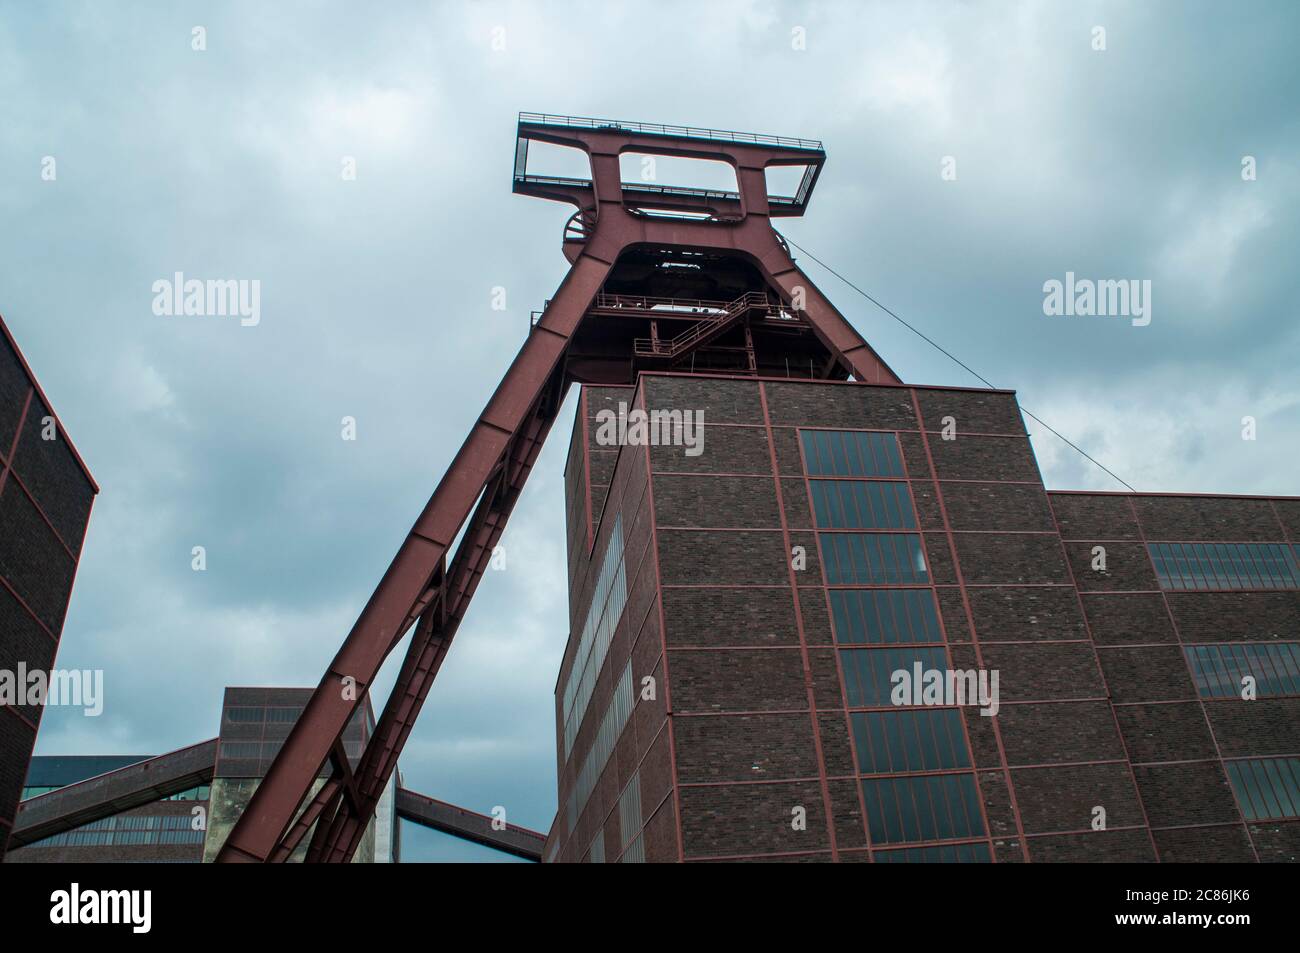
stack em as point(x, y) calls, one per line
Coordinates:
point(200, 793)
point(1266, 787)
point(121, 829)
point(867, 672)
point(596, 855)
point(862, 504)
point(611, 726)
point(851, 453)
point(1219, 669)
point(38, 790)
point(929, 807)
point(606, 607)
point(884, 616)
point(635, 853)
point(872, 559)
point(915, 739)
point(629, 815)
point(1191, 566)
point(241, 749)
point(942, 854)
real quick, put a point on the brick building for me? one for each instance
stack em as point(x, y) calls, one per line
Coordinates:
point(96, 808)
point(736, 617)
point(254, 724)
point(46, 494)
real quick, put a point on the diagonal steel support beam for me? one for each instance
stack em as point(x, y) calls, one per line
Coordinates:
point(468, 825)
point(402, 594)
point(433, 637)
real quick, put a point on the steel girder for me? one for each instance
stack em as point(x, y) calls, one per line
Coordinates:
point(488, 473)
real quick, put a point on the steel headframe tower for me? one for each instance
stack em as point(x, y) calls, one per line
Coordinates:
point(662, 278)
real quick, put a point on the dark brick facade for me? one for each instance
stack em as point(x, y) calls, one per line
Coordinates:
point(747, 748)
point(45, 498)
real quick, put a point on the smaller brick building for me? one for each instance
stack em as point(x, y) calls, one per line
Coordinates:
point(179, 807)
point(736, 617)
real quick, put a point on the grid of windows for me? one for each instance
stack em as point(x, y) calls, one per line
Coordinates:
point(1191, 566)
point(942, 854)
point(873, 559)
point(241, 749)
point(278, 714)
point(852, 453)
point(611, 726)
point(1219, 669)
point(868, 672)
point(862, 504)
point(857, 453)
point(596, 855)
point(1266, 787)
point(913, 739)
point(602, 618)
point(884, 616)
point(915, 764)
point(267, 750)
point(128, 829)
point(922, 808)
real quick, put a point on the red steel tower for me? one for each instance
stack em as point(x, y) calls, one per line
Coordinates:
point(687, 280)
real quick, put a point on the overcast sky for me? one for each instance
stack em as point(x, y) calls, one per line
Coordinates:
point(376, 293)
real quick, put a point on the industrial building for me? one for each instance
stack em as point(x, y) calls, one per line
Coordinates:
point(816, 613)
point(179, 807)
point(1120, 734)
point(46, 493)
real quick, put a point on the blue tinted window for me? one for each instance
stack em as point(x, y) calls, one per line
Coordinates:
point(884, 616)
point(1266, 787)
point(597, 633)
point(1192, 566)
point(1219, 669)
point(867, 672)
point(913, 739)
point(930, 807)
point(872, 559)
point(862, 504)
point(851, 453)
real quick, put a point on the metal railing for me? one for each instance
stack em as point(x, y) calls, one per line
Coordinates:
point(662, 129)
point(692, 336)
point(645, 303)
point(552, 180)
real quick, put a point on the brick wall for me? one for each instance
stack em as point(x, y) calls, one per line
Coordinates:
point(750, 726)
point(45, 500)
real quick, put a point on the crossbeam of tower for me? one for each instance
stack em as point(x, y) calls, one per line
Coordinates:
point(661, 278)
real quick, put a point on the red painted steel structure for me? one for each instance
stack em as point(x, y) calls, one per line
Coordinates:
point(704, 264)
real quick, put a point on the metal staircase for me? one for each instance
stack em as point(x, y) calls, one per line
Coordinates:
point(701, 333)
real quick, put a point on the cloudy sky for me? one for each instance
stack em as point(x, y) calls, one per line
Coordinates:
point(376, 293)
